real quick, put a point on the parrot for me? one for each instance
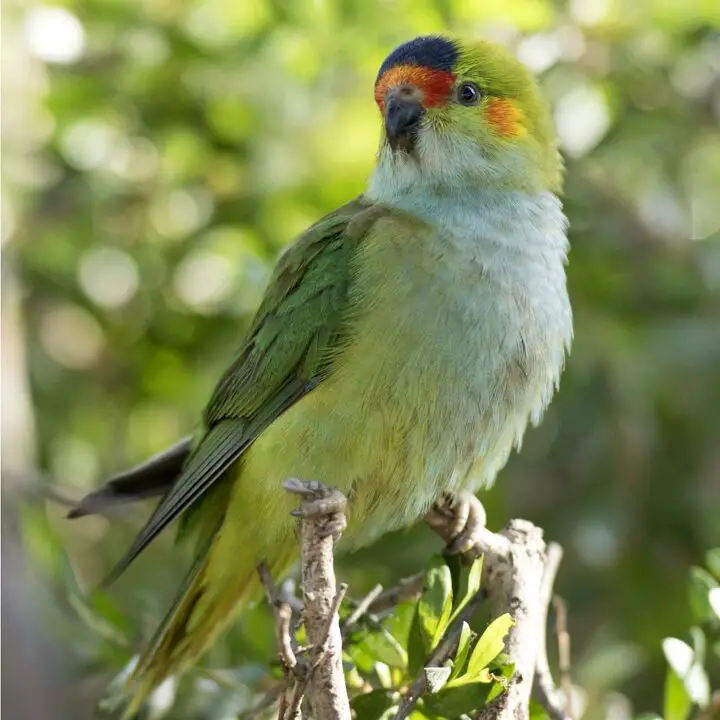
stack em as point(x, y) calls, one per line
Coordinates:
point(403, 345)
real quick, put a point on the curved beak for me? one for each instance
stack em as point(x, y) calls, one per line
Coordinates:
point(402, 121)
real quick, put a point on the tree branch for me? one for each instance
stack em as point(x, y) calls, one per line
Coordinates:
point(360, 609)
point(406, 589)
point(547, 693)
point(512, 575)
point(322, 520)
point(283, 617)
point(518, 578)
point(563, 638)
point(514, 561)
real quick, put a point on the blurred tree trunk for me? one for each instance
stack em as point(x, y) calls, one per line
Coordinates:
point(35, 672)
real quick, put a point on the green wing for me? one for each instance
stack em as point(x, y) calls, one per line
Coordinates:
point(286, 354)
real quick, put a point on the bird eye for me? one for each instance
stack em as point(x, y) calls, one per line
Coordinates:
point(469, 94)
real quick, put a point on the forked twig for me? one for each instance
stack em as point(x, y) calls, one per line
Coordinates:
point(547, 693)
point(406, 589)
point(360, 609)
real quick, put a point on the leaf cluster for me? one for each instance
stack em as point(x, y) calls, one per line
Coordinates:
point(386, 655)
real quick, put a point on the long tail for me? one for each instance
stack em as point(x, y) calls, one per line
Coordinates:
point(207, 602)
point(151, 479)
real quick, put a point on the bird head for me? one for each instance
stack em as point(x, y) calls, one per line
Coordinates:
point(466, 113)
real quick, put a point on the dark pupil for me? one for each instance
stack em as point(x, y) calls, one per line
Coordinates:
point(468, 93)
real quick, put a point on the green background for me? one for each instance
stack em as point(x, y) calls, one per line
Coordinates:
point(151, 180)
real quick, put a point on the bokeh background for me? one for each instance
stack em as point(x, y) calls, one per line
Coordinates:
point(159, 155)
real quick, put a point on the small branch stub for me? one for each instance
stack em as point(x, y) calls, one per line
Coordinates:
point(547, 694)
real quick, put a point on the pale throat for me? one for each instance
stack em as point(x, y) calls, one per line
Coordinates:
point(465, 206)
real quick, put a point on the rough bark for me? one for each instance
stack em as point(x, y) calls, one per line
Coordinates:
point(512, 575)
point(321, 521)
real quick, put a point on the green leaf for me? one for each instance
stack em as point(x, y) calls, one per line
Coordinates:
point(452, 702)
point(41, 544)
point(495, 671)
point(484, 677)
point(712, 560)
point(457, 568)
point(714, 600)
point(701, 583)
point(537, 711)
point(372, 705)
point(435, 604)
point(688, 672)
point(399, 623)
point(384, 675)
point(503, 674)
point(96, 622)
point(361, 658)
point(463, 651)
point(490, 644)
point(415, 646)
point(679, 655)
point(455, 699)
point(381, 646)
point(389, 714)
point(108, 609)
point(468, 585)
point(677, 703)
point(436, 678)
point(699, 644)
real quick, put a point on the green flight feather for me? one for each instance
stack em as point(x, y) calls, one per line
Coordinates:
point(289, 349)
point(287, 352)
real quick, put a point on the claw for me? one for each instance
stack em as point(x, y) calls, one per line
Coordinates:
point(458, 519)
point(318, 501)
point(334, 527)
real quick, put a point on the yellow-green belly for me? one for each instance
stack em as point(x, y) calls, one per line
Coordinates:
point(428, 396)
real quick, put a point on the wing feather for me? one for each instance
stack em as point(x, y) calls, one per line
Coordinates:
point(287, 352)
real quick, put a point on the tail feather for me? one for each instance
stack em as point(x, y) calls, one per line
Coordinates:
point(151, 479)
point(205, 605)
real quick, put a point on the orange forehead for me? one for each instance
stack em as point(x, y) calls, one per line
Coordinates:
point(435, 85)
point(505, 117)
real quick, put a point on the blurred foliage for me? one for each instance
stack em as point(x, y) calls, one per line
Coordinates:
point(387, 655)
point(687, 685)
point(158, 155)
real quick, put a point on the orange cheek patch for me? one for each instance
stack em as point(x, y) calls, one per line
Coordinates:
point(435, 85)
point(505, 117)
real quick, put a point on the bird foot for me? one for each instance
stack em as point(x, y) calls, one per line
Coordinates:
point(318, 500)
point(459, 519)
